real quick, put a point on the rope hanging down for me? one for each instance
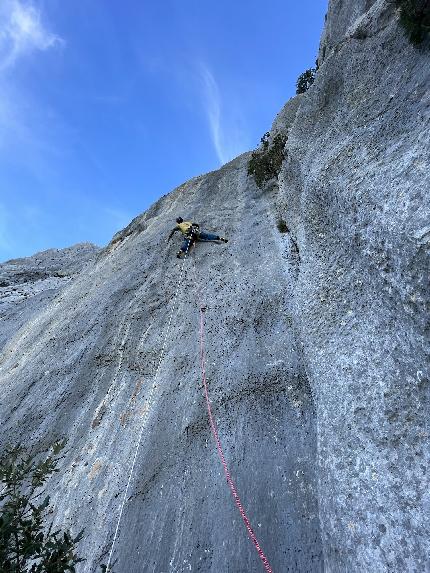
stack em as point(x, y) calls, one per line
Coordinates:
point(246, 521)
point(148, 401)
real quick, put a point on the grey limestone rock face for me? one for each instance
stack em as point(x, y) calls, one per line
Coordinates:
point(94, 352)
point(28, 284)
point(316, 344)
point(285, 118)
point(355, 195)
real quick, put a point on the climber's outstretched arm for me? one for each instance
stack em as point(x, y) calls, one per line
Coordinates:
point(171, 233)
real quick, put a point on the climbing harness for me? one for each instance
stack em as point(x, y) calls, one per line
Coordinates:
point(192, 234)
point(214, 429)
point(148, 401)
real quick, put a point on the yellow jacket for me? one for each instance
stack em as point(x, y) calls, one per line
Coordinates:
point(184, 227)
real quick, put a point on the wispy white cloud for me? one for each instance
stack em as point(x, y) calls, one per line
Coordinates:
point(213, 110)
point(28, 130)
point(22, 32)
point(226, 125)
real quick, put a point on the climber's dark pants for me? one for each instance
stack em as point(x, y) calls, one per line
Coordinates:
point(188, 241)
point(207, 237)
point(186, 244)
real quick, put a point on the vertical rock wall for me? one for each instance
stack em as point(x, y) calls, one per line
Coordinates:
point(85, 368)
point(354, 194)
point(317, 343)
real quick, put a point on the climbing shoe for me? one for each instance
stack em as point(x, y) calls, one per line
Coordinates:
point(223, 240)
point(179, 254)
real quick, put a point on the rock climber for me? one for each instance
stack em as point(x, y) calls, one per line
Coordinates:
point(192, 233)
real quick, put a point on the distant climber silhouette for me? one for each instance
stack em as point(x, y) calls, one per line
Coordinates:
point(191, 232)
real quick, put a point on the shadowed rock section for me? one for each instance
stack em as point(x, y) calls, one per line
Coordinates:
point(316, 338)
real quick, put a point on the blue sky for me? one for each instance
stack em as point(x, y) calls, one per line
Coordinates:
point(107, 105)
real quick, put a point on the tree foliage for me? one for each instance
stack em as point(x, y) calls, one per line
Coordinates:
point(305, 80)
point(27, 545)
point(415, 19)
point(265, 163)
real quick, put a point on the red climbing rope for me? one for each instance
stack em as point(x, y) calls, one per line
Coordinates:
point(230, 482)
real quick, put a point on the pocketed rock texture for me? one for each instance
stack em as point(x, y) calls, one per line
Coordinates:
point(317, 344)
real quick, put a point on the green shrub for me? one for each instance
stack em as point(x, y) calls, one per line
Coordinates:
point(27, 545)
point(282, 225)
point(305, 80)
point(415, 19)
point(265, 163)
